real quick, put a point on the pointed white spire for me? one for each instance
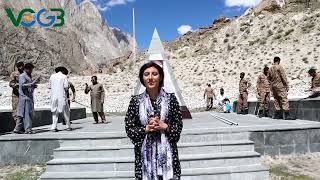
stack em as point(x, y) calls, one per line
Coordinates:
point(156, 50)
point(156, 53)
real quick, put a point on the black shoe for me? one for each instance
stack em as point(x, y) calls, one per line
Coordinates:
point(266, 113)
point(17, 132)
point(260, 113)
point(245, 111)
point(278, 114)
point(240, 112)
point(29, 132)
point(54, 130)
point(287, 116)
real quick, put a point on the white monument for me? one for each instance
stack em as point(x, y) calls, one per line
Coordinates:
point(156, 54)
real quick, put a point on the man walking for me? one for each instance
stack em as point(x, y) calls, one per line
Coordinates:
point(97, 99)
point(279, 88)
point(263, 90)
point(315, 82)
point(26, 101)
point(209, 94)
point(14, 84)
point(59, 102)
point(244, 84)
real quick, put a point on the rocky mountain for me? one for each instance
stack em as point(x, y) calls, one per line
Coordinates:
point(84, 42)
point(217, 54)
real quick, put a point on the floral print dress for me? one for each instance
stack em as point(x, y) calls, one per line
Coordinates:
point(136, 133)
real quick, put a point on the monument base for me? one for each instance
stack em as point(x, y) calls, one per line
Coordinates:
point(306, 109)
point(185, 112)
point(41, 117)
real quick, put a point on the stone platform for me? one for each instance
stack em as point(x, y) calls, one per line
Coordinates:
point(307, 109)
point(42, 116)
point(209, 148)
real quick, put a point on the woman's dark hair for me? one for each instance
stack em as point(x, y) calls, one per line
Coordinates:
point(149, 65)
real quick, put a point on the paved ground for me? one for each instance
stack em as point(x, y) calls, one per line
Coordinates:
point(201, 122)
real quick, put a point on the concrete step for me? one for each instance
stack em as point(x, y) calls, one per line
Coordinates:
point(248, 172)
point(127, 163)
point(185, 138)
point(127, 150)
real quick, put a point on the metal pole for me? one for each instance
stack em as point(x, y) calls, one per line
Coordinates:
point(134, 36)
point(227, 121)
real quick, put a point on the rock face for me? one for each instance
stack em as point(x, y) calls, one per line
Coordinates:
point(84, 42)
point(218, 53)
point(269, 5)
point(286, 5)
point(214, 54)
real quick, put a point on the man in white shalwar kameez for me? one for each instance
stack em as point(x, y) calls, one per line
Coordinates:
point(220, 101)
point(59, 101)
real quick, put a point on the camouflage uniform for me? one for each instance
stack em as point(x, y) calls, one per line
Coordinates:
point(14, 84)
point(209, 93)
point(244, 84)
point(279, 87)
point(263, 90)
point(315, 82)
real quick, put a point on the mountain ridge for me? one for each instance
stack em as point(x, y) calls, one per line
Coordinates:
point(81, 44)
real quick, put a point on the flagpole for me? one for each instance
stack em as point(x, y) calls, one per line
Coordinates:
point(134, 36)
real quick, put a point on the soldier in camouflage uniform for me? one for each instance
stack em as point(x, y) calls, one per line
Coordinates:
point(279, 88)
point(14, 84)
point(315, 82)
point(244, 84)
point(263, 90)
point(208, 92)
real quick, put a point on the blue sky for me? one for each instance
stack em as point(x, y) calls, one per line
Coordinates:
point(167, 15)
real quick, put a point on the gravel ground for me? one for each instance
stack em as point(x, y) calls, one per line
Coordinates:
point(295, 167)
point(21, 172)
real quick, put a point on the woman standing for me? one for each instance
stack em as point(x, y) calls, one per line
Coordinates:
point(154, 123)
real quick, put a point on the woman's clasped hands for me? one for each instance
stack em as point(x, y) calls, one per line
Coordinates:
point(155, 124)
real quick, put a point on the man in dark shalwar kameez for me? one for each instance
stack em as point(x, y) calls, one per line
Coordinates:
point(14, 84)
point(26, 102)
point(97, 99)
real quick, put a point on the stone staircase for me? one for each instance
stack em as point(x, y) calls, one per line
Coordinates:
point(203, 156)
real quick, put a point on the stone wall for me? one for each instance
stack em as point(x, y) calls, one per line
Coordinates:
point(308, 109)
point(41, 117)
point(27, 151)
point(284, 142)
